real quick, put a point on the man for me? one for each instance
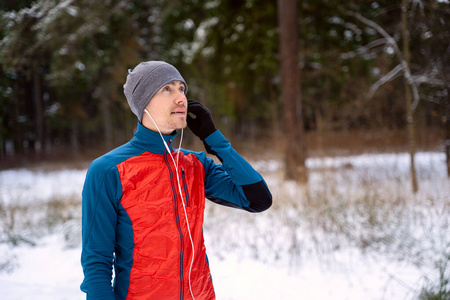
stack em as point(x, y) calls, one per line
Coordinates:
point(143, 202)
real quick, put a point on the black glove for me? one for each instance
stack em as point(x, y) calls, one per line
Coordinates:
point(199, 120)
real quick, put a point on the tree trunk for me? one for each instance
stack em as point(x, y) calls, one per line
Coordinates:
point(39, 115)
point(295, 145)
point(409, 109)
point(74, 141)
point(107, 123)
point(319, 128)
point(446, 121)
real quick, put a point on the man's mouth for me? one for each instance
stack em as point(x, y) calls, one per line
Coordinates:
point(179, 112)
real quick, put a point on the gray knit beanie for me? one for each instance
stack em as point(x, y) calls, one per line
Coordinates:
point(145, 80)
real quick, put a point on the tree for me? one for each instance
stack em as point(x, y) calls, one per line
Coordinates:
point(431, 33)
point(77, 55)
point(20, 56)
point(295, 145)
point(431, 71)
point(228, 52)
point(409, 83)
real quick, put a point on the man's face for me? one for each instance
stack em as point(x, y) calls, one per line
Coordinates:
point(168, 107)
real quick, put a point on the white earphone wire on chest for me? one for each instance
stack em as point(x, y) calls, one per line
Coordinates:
point(180, 192)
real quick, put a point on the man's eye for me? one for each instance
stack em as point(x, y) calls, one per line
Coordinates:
point(182, 89)
point(166, 89)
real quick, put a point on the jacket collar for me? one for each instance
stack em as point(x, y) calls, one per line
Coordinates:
point(150, 141)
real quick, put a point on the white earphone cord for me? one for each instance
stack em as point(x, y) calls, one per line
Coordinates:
point(181, 193)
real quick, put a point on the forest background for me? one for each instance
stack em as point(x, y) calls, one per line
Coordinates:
point(63, 65)
point(349, 86)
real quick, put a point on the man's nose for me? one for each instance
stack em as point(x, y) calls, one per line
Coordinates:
point(181, 98)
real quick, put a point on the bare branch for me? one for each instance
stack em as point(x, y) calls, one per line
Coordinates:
point(420, 79)
point(388, 77)
point(391, 41)
point(433, 99)
point(365, 48)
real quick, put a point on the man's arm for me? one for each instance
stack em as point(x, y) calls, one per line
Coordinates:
point(99, 218)
point(234, 183)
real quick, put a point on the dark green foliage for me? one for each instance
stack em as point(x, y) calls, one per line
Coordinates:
point(231, 57)
point(77, 54)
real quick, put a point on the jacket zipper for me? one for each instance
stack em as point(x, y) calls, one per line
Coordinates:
point(186, 192)
point(180, 232)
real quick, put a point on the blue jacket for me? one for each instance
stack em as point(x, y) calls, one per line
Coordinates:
point(144, 222)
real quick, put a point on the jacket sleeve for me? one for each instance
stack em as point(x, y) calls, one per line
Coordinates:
point(99, 219)
point(234, 183)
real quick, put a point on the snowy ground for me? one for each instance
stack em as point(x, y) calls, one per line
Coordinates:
point(323, 243)
point(49, 271)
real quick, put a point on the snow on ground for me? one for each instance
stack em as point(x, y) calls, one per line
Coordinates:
point(40, 186)
point(51, 270)
point(47, 271)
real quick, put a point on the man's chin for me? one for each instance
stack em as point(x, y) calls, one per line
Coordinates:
point(182, 126)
